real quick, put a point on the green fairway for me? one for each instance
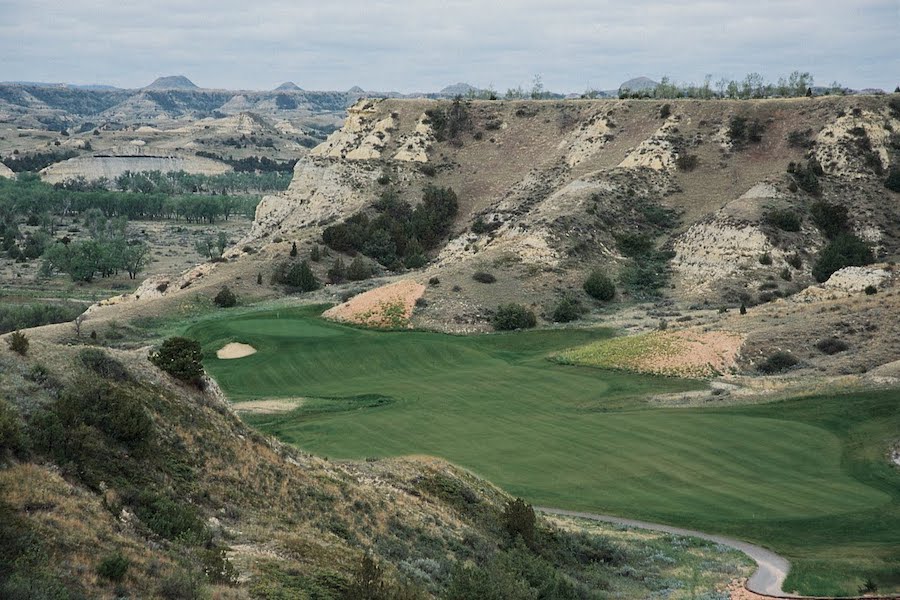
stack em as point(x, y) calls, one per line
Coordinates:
point(807, 477)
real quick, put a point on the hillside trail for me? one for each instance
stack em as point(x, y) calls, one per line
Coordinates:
point(771, 570)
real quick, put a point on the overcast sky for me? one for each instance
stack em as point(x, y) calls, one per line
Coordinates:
point(425, 45)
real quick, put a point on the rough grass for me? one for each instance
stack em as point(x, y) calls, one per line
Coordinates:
point(807, 478)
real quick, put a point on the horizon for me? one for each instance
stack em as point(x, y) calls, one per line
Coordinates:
point(574, 47)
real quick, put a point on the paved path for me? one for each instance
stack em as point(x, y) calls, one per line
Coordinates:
point(771, 568)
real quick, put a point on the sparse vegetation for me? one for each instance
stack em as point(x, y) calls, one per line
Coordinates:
point(832, 345)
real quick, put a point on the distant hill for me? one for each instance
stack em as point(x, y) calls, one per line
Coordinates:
point(288, 86)
point(356, 90)
point(172, 82)
point(459, 89)
point(639, 84)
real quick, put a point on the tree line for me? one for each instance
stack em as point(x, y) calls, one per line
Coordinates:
point(29, 197)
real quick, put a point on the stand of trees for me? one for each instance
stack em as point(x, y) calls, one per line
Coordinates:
point(29, 197)
point(754, 85)
point(106, 253)
point(398, 235)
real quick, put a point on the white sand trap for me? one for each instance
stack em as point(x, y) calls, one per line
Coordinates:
point(235, 350)
point(267, 407)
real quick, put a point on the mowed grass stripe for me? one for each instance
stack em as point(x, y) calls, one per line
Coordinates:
point(577, 437)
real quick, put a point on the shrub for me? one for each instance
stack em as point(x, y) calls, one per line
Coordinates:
point(513, 316)
point(101, 363)
point(181, 358)
point(870, 290)
point(519, 520)
point(765, 258)
point(786, 274)
point(800, 139)
point(794, 260)
point(831, 219)
point(12, 439)
point(18, 342)
point(482, 277)
point(315, 254)
point(296, 275)
point(846, 250)
point(832, 345)
point(567, 309)
point(24, 316)
point(359, 269)
point(434, 281)
point(337, 273)
point(293, 249)
point(664, 111)
point(778, 362)
point(599, 286)
point(383, 179)
point(634, 244)
point(783, 219)
point(428, 170)
point(893, 180)
point(807, 178)
point(168, 518)
point(687, 162)
point(225, 298)
point(113, 567)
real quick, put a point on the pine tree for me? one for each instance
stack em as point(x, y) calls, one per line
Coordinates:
point(293, 249)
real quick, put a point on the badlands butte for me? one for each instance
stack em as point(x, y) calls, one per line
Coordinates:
point(703, 295)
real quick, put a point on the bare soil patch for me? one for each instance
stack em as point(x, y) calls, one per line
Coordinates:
point(389, 306)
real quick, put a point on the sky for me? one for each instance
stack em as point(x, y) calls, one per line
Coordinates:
point(392, 45)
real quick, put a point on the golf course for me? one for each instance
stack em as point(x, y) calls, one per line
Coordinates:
point(808, 478)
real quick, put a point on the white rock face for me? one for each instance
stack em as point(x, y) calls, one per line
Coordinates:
point(361, 137)
point(708, 252)
point(6, 172)
point(587, 140)
point(656, 152)
point(414, 147)
point(320, 190)
point(836, 145)
point(849, 280)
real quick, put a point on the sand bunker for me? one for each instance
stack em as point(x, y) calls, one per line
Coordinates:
point(267, 407)
point(389, 306)
point(235, 350)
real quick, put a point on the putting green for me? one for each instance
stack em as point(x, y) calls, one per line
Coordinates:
point(575, 437)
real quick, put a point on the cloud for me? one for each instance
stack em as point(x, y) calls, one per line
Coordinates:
point(424, 45)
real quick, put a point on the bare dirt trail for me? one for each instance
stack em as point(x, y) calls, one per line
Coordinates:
point(771, 570)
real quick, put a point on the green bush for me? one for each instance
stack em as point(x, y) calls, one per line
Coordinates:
point(513, 316)
point(112, 410)
point(566, 310)
point(12, 438)
point(832, 345)
point(482, 277)
point(831, 219)
point(870, 290)
point(113, 567)
point(103, 364)
point(225, 298)
point(765, 258)
point(296, 276)
point(634, 244)
point(599, 286)
point(169, 519)
point(359, 269)
point(519, 520)
point(337, 272)
point(893, 180)
point(783, 219)
point(846, 250)
point(778, 362)
point(181, 358)
point(18, 342)
point(687, 162)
